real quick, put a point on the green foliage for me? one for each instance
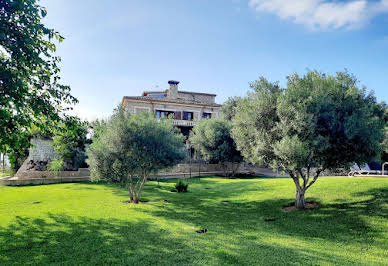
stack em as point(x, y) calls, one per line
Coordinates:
point(70, 138)
point(212, 138)
point(181, 186)
point(55, 165)
point(133, 146)
point(18, 156)
point(318, 122)
point(228, 109)
point(384, 156)
point(98, 126)
point(29, 72)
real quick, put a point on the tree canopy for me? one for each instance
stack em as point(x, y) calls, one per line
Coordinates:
point(317, 122)
point(30, 88)
point(228, 109)
point(134, 146)
point(69, 140)
point(212, 139)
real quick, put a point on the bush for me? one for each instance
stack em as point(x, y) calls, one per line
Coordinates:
point(181, 186)
point(70, 138)
point(55, 165)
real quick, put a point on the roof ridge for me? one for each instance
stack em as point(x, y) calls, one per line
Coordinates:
point(148, 98)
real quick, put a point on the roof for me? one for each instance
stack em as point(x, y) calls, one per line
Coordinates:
point(186, 92)
point(167, 100)
point(198, 93)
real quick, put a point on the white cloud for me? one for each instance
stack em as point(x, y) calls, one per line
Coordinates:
point(323, 14)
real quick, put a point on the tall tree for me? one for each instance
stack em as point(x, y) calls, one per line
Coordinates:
point(30, 88)
point(212, 138)
point(318, 122)
point(129, 147)
point(228, 109)
point(384, 156)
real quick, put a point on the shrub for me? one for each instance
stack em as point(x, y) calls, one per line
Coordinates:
point(70, 138)
point(181, 186)
point(55, 165)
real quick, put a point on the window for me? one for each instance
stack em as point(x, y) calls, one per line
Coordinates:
point(188, 116)
point(163, 114)
point(206, 115)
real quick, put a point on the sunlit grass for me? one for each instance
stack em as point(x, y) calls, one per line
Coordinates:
point(89, 224)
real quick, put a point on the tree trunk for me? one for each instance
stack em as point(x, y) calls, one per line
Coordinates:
point(300, 202)
point(130, 194)
point(223, 169)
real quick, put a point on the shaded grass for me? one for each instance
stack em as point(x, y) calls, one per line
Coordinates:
point(88, 224)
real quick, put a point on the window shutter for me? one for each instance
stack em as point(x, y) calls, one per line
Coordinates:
point(178, 115)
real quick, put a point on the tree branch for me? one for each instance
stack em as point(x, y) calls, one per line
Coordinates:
point(315, 178)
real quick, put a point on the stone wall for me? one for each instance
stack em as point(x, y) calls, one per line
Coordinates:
point(41, 150)
point(197, 169)
point(202, 98)
point(82, 172)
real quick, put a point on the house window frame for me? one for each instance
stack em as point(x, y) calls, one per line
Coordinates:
point(169, 112)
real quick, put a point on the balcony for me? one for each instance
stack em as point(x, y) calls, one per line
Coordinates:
point(184, 123)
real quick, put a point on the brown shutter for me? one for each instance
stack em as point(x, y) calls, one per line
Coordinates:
point(178, 115)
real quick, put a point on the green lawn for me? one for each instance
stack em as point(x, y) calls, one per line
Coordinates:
point(88, 224)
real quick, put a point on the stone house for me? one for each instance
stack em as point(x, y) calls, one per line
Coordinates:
point(185, 107)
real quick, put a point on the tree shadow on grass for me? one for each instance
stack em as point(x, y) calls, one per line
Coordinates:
point(205, 208)
point(64, 240)
point(237, 231)
point(341, 222)
point(61, 239)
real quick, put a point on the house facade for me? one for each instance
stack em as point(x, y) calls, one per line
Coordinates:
point(184, 106)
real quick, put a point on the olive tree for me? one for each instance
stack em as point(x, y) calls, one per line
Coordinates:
point(228, 109)
point(129, 148)
point(212, 139)
point(318, 122)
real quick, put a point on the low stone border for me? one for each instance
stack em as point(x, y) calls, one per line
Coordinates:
point(17, 181)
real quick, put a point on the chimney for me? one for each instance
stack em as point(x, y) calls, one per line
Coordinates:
point(173, 91)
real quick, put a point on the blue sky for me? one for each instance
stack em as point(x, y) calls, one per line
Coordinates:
point(116, 48)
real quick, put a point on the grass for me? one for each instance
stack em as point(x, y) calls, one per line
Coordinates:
point(72, 224)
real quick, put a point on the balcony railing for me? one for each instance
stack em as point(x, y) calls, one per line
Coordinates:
point(186, 123)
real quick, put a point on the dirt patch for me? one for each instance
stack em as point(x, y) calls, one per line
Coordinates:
point(309, 205)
